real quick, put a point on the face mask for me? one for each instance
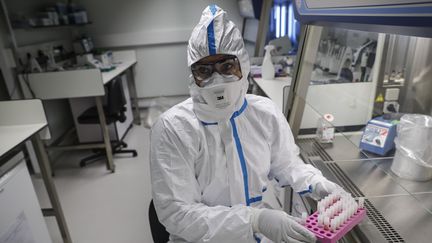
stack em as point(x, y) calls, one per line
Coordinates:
point(222, 95)
point(219, 101)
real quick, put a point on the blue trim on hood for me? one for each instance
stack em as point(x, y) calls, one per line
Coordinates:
point(213, 9)
point(210, 33)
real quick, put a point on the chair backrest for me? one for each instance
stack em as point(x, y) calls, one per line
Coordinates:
point(116, 100)
point(158, 231)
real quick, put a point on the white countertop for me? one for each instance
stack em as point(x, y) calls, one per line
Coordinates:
point(108, 76)
point(274, 89)
point(11, 136)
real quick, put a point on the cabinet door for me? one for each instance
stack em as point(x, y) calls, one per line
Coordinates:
point(21, 217)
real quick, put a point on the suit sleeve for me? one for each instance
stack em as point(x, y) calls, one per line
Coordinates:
point(286, 165)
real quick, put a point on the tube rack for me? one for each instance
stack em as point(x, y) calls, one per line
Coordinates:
point(337, 214)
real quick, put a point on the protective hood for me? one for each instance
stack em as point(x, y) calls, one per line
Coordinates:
point(215, 34)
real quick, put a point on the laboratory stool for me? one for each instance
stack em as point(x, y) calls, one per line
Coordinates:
point(114, 112)
point(158, 231)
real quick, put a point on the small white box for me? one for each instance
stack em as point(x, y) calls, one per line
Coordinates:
point(392, 94)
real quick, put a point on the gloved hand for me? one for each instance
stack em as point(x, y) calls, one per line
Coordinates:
point(278, 226)
point(323, 187)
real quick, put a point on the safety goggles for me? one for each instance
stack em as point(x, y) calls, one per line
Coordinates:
point(226, 65)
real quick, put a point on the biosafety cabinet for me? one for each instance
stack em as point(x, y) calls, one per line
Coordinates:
point(360, 106)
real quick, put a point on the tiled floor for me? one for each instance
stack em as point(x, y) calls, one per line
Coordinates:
point(100, 206)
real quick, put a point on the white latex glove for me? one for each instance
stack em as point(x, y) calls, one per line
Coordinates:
point(323, 187)
point(278, 226)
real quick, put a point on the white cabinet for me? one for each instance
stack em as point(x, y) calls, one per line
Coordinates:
point(21, 218)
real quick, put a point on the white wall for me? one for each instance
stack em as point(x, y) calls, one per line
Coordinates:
point(158, 31)
point(250, 35)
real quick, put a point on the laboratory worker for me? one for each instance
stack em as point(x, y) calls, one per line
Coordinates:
point(213, 155)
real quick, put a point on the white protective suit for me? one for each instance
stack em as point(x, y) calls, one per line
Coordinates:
point(208, 172)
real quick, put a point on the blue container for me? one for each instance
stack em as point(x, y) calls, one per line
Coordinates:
point(378, 136)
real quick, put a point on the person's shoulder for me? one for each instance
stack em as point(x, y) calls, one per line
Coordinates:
point(180, 112)
point(177, 117)
point(261, 104)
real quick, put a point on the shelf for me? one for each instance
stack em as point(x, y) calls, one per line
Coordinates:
point(51, 26)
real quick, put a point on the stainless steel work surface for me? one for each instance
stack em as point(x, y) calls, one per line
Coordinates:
point(340, 149)
point(407, 217)
point(399, 210)
point(344, 147)
point(398, 215)
point(370, 178)
point(409, 185)
point(425, 199)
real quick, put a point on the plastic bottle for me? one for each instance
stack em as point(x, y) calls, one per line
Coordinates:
point(325, 130)
point(268, 70)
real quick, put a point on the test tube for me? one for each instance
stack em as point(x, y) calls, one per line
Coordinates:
point(304, 217)
point(324, 214)
point(352, 210)
point(361, 201)
point(339, 221)
point(326, 222)
point(334, 211)
point(327, 201)
point(320, 220)
point(327, 212)
point(332, 198)
point(345, 216)
point(333, 225)
point(337, 207)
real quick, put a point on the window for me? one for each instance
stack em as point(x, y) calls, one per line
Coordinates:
point(282, 21)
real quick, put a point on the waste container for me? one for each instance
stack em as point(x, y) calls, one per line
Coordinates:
point(413, 158)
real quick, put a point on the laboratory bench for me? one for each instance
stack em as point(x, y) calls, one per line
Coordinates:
point(22, 121)
point(85, 88)
point(276, 89)
point(398, 210)
point(344, 147)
